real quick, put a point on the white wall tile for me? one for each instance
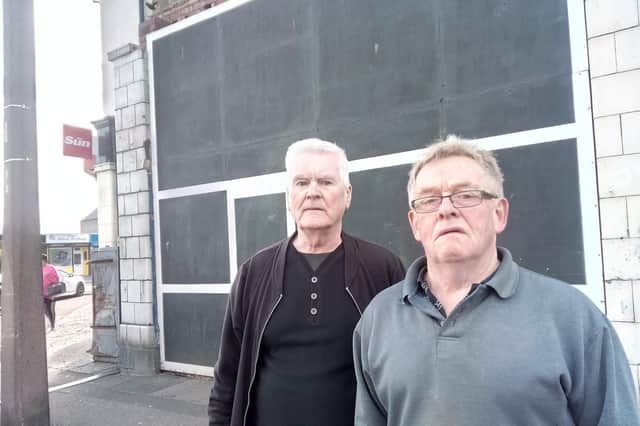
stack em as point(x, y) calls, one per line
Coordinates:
point(124, 226)
point(130, 204)
point(137, 92)
point(148, 335)
point(619, 176)
point(139, 180)
point(633, 215)
point(133, 291)
point(606, 16)
point(143, 313)
point(613, 217)
point(124, 183)
point(128, 313)
point(636, 298)
point(602, 55)
point(142, 269)
point(628, 49)
point(147, 291)
point(629, 334)
point(616, 93)
point(126, 269)
point(621, 259)
point(143, 202)
point(619, 301)
point(133, 247)
point(128, 117)
point(608, 136)
point(140, 224)
point(145, 246)
point(121, 98)
point(631, 131)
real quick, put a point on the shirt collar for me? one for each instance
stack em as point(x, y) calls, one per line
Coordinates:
point(503, 280)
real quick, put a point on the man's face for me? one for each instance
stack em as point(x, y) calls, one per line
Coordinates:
point(452, 234)
point(317, 195)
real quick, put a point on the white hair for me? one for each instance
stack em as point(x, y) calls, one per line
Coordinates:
point(318, 146)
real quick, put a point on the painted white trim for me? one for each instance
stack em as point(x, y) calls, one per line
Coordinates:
point(156, 202)
point(180, 367)
point(194, 19)
point(509, 140)
point(578, 36)
point(589, 209)
point(221, 288)
point(243, 187)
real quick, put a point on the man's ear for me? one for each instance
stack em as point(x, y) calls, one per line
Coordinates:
point(412, 216)
point(348, 193)
point(501, 215)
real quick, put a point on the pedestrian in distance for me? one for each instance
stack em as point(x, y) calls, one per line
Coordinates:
point(49, 277)
point(471, 338)
point(285, 352)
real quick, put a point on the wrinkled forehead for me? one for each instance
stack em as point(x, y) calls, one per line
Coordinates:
point(452, 173)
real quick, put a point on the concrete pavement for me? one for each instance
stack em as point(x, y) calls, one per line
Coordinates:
point(84, 392)
point(164, 399)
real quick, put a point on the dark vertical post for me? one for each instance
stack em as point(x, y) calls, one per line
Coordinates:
point(25, 397)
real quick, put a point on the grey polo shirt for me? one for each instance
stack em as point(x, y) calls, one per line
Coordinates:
point(524, 349)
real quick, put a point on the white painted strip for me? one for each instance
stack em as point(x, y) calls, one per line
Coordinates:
point(156, 201)
point(196, 288)
point(589, 210)
point(231, 234)
point(244, 187)
point(510, 140)
point(192, 20)
point(180, 367)
point(109, 372)
point(577, 35)
point(276, 182)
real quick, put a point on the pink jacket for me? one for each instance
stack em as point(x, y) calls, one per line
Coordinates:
point(49, 276)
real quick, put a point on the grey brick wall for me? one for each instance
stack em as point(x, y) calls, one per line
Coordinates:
point(613, 29)
point(138, 330)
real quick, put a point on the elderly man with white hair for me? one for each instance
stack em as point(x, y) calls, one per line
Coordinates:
point(285, 351)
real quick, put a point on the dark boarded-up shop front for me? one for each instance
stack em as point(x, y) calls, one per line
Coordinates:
point(232, 87)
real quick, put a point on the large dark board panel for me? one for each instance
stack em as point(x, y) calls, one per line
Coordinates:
point(544, 232)
point(379, 209)
point(260, 221)
point(375, 57)
point(540, 103)
point(385, 134)
point(194, 239)
point(267, 75)
point(489, 43)
point(377, 77)
point(187, 104)
point(192, 326)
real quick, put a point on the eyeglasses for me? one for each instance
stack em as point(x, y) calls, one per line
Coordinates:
point(461, 199)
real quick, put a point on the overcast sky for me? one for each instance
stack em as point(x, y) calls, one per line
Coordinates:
point(69, 91)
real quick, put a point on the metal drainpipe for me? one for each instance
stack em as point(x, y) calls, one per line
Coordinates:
point(147, 166)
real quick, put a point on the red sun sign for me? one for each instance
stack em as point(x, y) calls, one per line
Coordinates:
point(76, 142)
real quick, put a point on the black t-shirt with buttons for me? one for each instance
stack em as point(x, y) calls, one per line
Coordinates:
point(305, 372)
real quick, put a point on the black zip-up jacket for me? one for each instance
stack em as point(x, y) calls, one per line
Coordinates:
point(256, 292)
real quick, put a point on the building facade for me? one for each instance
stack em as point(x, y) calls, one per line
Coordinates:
point(206, 101)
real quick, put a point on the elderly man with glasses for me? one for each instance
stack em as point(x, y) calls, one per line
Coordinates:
point(471, 338)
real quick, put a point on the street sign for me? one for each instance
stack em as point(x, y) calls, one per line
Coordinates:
point(76, 142)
